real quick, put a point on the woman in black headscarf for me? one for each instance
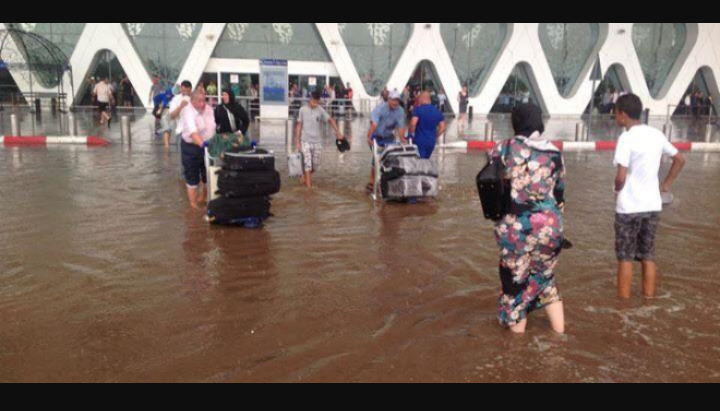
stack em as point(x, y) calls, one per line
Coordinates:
point(531, 236)
point(230, 116)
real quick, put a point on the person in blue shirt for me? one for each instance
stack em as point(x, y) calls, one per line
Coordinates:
point(387, 124)
point(426, 126)
point(162, 103)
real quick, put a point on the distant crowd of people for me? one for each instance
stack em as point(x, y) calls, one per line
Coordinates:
point(337, 99)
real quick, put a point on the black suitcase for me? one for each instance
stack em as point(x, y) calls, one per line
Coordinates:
point(248, 184)
point(229, 211)
point(252, 160)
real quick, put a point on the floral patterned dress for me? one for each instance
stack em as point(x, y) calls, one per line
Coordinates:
point(531, 235)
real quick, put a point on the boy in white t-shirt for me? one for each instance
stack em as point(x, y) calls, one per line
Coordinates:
point(639, 194)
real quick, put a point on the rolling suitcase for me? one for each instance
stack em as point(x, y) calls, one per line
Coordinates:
point(248, 184)
point(231, 211)
point(295, 165)
point(393, 151)
point(252, 160)
point(397, 167)
point(408, 187)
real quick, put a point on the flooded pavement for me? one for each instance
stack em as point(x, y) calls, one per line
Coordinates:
point(105, 276)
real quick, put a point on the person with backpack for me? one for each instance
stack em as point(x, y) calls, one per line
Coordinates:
point(531, 235)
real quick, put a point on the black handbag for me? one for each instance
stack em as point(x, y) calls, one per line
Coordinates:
point(494, 190)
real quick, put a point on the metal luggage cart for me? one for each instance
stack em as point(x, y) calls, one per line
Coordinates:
point(213, 166)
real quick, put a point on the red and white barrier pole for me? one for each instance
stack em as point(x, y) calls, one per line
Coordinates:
point(9, 141)
point(571, 146)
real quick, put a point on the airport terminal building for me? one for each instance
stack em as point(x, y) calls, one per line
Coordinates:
point(552, 64)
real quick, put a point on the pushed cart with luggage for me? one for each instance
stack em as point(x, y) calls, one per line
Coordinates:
point(401, 175)
point(241, 183)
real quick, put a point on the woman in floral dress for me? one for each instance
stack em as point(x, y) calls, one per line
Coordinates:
point(531, 235)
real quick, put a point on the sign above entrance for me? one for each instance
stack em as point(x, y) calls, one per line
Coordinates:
point(274, 83)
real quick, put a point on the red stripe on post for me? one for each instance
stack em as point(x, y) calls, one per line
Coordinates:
point(97, 142)
point(683, 146)
point(481, 145)
point(25, 141)
point(605, 146)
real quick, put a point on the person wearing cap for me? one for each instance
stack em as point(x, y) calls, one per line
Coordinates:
point(308, 135)
point(387, 124)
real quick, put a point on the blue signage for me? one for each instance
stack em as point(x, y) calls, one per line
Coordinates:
point(274, 82)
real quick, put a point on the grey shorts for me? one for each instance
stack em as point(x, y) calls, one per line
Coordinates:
point(635, 236)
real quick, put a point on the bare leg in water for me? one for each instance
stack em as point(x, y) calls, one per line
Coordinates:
point(556, 313)
point(196, 195)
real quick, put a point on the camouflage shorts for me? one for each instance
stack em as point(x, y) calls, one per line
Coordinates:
point(635, 236)
point(312, 153)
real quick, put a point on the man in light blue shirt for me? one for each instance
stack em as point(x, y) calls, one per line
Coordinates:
point(387, 124)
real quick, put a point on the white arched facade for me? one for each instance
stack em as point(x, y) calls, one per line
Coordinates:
point(615, 48)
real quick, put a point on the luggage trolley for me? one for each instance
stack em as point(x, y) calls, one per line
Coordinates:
point(213, 166)
point(419, 182)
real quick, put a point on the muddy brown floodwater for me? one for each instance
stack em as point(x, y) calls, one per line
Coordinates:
point(105, 277)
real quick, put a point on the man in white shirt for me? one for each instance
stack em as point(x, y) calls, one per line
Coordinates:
point(104, 94)
point(639, 194)
point(177, 104)
point(198, 127)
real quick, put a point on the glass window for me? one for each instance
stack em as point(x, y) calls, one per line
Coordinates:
point(609, 90)
point(699, 99)
point(284, 41)
point(107, 65)
point(375, 49)
point(568, 48)
point(164, 47)
point(658, 46)
point(64, 35)
point(473, 48)
point(517, 90)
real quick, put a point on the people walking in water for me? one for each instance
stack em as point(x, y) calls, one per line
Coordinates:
point(308, 135)
point(128, 92)
point(427, 126)
point(531, 235)
point(103, 93)
point(230, 116)
point(387, 125)
point(164, 125)
point(198, 126)
point(177, 104)
point(639, 194)
point(156, 90)
point(464, 103)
